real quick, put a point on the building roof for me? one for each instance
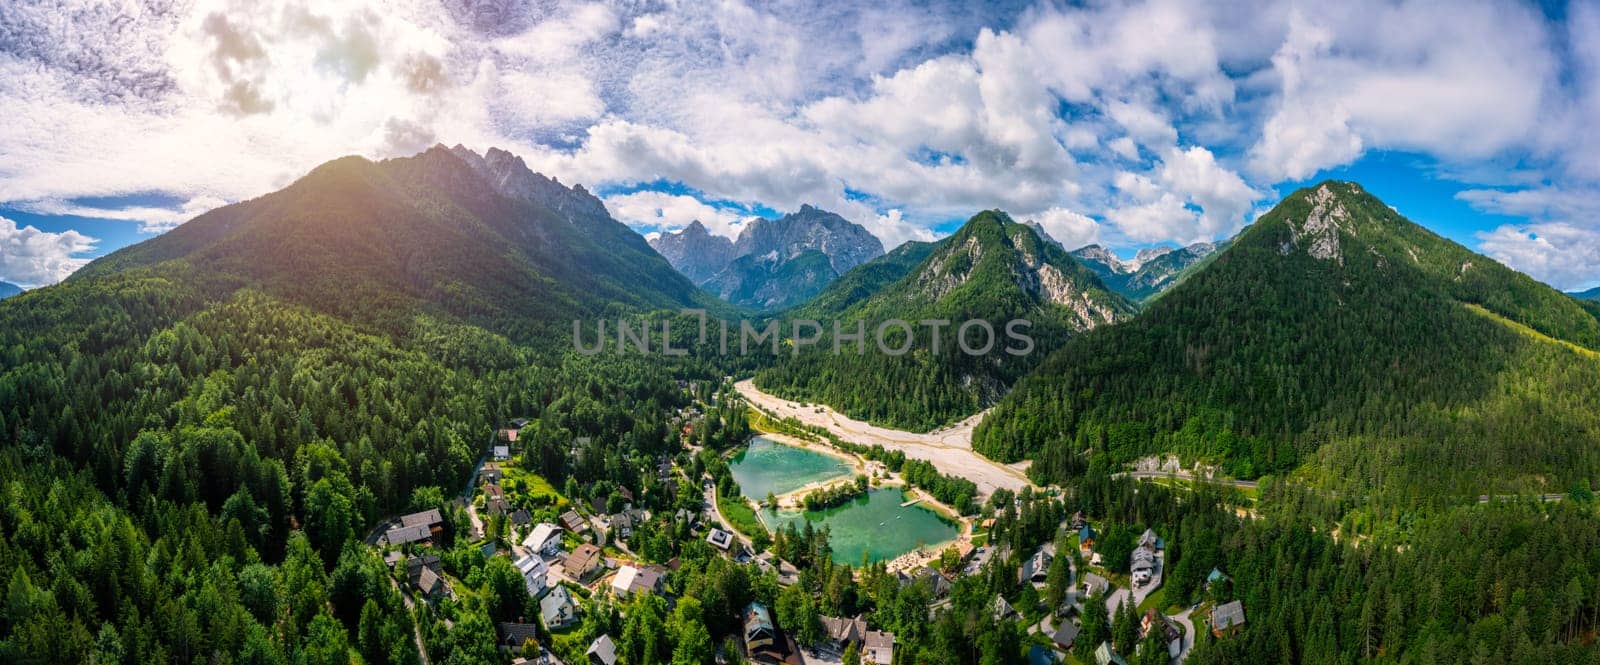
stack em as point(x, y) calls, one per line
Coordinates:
point(631, 579)
point(1216, 575)
point(1095, 583)
point(756, 618)
point(719, 538)
point(603, 649)
point(541, 535)
point(1149, 539)
point(584, 558)
point(556, 603)
point(1104, 655)
point(1065, 633)
point(1003, 609)
point(1036, 565)
point(1085, 534)
point(844, 630)
point(572, 520)
point(401, 535)
point(1227, 615)
point(515, 634)
point(428, 517)
point(428, 581)
point(530, 564)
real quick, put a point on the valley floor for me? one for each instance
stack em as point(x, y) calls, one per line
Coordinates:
point(950, 449)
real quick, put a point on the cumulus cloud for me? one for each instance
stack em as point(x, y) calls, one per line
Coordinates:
point(1119, 123)
point(30, 257)
point(670, 212)
point(1562, 255)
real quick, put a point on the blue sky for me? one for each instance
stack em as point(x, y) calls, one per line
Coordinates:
point(1124, 124)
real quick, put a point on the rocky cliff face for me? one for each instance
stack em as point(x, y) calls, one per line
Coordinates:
point(774, 262)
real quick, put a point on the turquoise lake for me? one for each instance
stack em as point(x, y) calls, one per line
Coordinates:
point(768, 466)
point(875, 525)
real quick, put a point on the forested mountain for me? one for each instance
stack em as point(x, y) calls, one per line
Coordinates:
point(864, 280)
point(774, 263)
point(1152, 271)
point(992, 269)
point(447, 231)
point(1339, 341)
point(1591, 294)
point(196, 432)
point(7, 289)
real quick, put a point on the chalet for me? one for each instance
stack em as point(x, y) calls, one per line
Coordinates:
point(875, 646)
point(495, 500)
point(760, 635)
point(545, 539)
point(425, 575)
point(1227, 618)
point(574, 522)
point(582, 563)
point(1065, 636)
point(501, 453)
point(1105, 655)
point(490, 474)
point(1149, 541)
point(1158, 623)
point(402, 535)
point(630, 580)
point(535, 573)
point(720, 539)
point(514, 635)
point(1086, 538)
point(1142, 565)
point(938, 584)
point(1003, 610)
point(557, 609)
point(393, 557)
point(509, 435)
point(520, 518)
point(1078, 521)
point(621, 525)
point(1036, 569)
point(416, 527)
point(602, 651)
point(1094, 585)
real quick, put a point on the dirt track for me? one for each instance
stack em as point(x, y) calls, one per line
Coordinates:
point(949, 449)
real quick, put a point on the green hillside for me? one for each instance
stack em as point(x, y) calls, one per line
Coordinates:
point(992, 269)
point(1336, 335)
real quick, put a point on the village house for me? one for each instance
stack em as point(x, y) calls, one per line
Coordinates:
point(426, 575)
point(514, 635)
point(534, 573)
point(1065, 636)
point(490, 474)
point(720, 539)
point(494, 500)
point(583, 563)
point(1094, 585)
point(557, 610)
point(416, 527)
point(761, 642)
point(631, 580)
point(1158, 623)
point(1105, 655)
point(602, 651)
point(545, 539)
point(1086, 538)
point(874, 646)
point(1003, 610)
point(1227, 618)
point(1036, 569)
point(574, 522)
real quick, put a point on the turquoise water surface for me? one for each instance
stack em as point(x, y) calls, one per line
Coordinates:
point(768, 466)
point(875, 525)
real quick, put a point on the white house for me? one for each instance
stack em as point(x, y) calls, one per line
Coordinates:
point(534, 572)
point(544, 539)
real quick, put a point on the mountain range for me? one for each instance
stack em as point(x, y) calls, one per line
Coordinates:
point(477, 237)
point(991, 269)
point(774, 263)
point(1151, 271)
point(1339, 342)
point(7, 289)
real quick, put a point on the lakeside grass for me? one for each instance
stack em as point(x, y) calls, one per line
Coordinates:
point(741, 516)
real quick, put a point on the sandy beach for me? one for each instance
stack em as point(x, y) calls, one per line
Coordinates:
point(949, 449)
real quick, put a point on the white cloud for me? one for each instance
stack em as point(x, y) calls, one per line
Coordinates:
point(30, 257)
point(1562, 255)
point(1071, 229)
point(671, 212)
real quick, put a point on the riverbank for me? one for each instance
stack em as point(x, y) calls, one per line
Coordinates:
point(949, 450)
